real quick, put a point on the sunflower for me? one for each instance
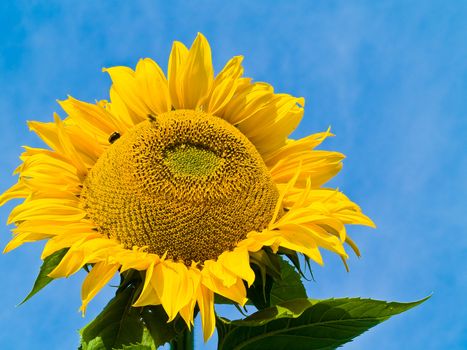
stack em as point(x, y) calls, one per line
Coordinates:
point(185, 178)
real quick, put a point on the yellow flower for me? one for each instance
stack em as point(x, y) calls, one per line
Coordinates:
point(183, 178)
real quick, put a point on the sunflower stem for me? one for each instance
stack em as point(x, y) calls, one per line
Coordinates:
point(184, 340)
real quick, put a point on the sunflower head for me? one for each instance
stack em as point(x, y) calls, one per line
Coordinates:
point(185, 183)
point(185, 178)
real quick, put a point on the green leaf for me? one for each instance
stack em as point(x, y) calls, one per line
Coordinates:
point(289, 286)
point(137, 347)
point(309, 324)
point(183, 341)
point(155, 319)
point(118, 326)
point(145, 344)
point(123, 327)
point(47, 267)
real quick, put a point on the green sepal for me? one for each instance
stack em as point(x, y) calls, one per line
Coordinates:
point(267, 262)
point(184, 341)
point(259, 293)
point(288, 286)
point(312, 324)
point(49, 264)
point(294, 258)
point(269, 290)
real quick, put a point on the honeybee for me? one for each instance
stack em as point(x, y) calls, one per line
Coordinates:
point(114, 137)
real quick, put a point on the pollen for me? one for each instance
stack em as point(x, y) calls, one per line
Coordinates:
point(185, 183)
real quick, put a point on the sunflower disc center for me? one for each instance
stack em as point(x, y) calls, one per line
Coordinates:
point(191, 160)
point(187, 184)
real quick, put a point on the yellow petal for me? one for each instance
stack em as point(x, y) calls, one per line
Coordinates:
point(177, 60)
point(232, 70)
point(318, 166)
point(93, 117)
point(307, 143)
point(47, 209)
point(238, 263)
point(205, 299)
point(248, 100)
point(18, 190)
point(48, 133)
point(53, 228)
point(301, 243)
point(303, 235)
point(136, 258)
point(172, 286)
point(198, 74)
point(354, 217)
point(277, 113)
point(24, 237)
point(225, 86)
point(277, 120)
point(127, 87)
point(235, 292)
point(119, 109)
point(148, 295)
point(66, 240)
point(92, 250)
point(221, 95)
point(352, 244)
point(153, 86)
point(70, 264)
point(283, 193)
point(187, 311)
point(68, 148)
point(257, 240)
point(217, 269)
point(46, 163)
point(96, 279)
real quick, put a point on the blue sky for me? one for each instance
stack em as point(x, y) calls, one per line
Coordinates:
point(389, 77)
